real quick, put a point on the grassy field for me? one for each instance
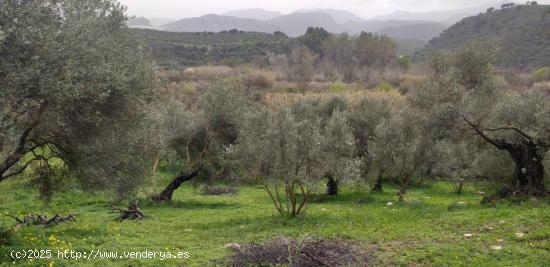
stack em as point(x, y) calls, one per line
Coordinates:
point(428, 230)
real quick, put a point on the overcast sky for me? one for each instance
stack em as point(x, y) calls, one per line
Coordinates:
point(177, 9)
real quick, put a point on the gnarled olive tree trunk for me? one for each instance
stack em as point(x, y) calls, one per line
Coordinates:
point(528, 177)
point(528, 155)
point(166, 194)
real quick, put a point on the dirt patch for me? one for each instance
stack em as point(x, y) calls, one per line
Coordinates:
point(307, 252)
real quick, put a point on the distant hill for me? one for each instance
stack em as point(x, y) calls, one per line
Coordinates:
point(158, 22)
point(445, 16)
point(139, 23)
point(296, 24)
point(409, 47)
point(259, 14)
point(421, 31)
point(378, 25)
point(523, 33)
point(217, 23)
point(450, 16)
point(200, 48)
point(339, 16)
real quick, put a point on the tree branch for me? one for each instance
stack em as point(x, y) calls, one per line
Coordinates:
point(522, 133)
point(500, 144)
point(19, 151)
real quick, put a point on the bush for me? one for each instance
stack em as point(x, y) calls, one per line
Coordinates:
point(258, 81)
point(338, 87)
point(541, 74)
point(404, 62)
point(410, 83)
point(209, 72)
point(385, 86)
point(543, 87)
point(188, 88)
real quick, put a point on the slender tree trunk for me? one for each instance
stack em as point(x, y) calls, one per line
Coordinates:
point(154, 173)
point(332, 186)
point(460, 188)
point(167, 193)
point(378, 185)
point(401, 195)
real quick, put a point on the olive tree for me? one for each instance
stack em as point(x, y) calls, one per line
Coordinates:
point(460, 100)
point(73, 84)
point(323, 111)
point(402, 147)
point(199, 135)
point(287, 155)
point(339, 150)
point(456, 163)
point(364, 119)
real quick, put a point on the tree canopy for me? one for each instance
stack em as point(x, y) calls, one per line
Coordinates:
point(73, 84)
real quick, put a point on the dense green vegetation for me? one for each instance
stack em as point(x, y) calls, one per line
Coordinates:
point(521, 32)
point(238, 47)
point(194, 49)
point(430, 230)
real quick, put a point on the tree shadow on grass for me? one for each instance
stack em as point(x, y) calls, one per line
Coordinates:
point(272, 223)
point(188, 204)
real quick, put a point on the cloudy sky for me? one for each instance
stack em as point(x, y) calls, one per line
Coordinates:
point(366, 8)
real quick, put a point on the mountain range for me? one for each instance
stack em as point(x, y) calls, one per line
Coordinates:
point(256, 13)
point(296, 24)
point(400, 24)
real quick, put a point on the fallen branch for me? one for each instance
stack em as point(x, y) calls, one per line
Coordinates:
point(132, 213)
point(41, 219)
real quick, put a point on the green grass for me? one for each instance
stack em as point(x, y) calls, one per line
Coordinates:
point(427, 230)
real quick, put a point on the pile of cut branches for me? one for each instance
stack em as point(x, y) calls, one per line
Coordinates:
point(132, 213)
point(41, 219)
point(304, 253)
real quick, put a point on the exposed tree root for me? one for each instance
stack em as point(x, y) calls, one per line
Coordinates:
point(508, 192)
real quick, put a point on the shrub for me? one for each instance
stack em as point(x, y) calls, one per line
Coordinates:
point(209, 72)
point(540, 74)
point(257, 81)
point(410, 83)
point(338, 87)
point(188, 88)
point(404, 62)
point(543, 87)
point(385, 86)
point(174, 75)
